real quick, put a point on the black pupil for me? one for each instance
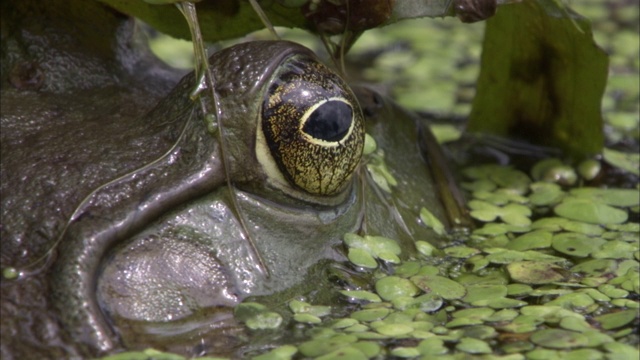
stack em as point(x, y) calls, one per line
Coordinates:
point(329, 122)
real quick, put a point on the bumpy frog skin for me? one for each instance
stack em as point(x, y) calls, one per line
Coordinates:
point(151, 281)
point(158, 257)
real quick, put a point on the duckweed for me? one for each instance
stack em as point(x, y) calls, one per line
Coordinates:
point(473, 346)
point(10, 273)
point(617, 319)
point(431, 221)
point(576, 244)
point(589, 211)
point(379, 171)
point(545, 194)
point(439, 285)
point(626, 161)
point(257, 316)
point(355, 295)
point(540, 239)
point(284, 352)
point(513, 214)
point(391, 287)
point(558, 339)
point(364, 250)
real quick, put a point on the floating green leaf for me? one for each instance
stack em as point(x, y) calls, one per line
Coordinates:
point(361, 295)
point(306, 318)
point(572, 301)
point(616, 319)
point(432, 346)
point(618, 350)
point(554, 171)
point(368, 348)
point(521, 324)
point(284, 352)
point(431, 221)
point(575, 324)
point(391, 287)
point(472, 316)
point(627, 161)
point(369, 145)
point(575, 244)
point(362, 257)
point(407, 269)
point(425, 248)
point(144, 355)
point(513, 214)
point(616, 250)
point(369, 315)
point(613, 197)
point(596, 267)
point(394, 330)
point(315, 348)
point(10, 273)
point(301, 307)
point(590, 212)
point(257, 316)
point(556, 224)
point(446, 288)
point(589, 169)
point(505, 256)
point(445, 132)
point(363, 250)
point(473, 346)
point(484, 292)
point(461, 251)
point(534, 272)
point(380, 173)
point(533, 240)
point(545, 194)
point(558, 339)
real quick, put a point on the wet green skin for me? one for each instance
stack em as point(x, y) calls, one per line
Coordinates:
point(162, 244)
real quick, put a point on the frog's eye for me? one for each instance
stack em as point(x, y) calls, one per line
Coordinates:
point(312, 126)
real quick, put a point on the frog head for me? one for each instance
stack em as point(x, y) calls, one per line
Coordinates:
point(273, 185)
point(152, 196)
point(291, 124)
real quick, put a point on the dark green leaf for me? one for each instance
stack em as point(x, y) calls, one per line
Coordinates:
point(542, 78)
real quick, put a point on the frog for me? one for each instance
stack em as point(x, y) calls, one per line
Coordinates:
point(161, 218)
